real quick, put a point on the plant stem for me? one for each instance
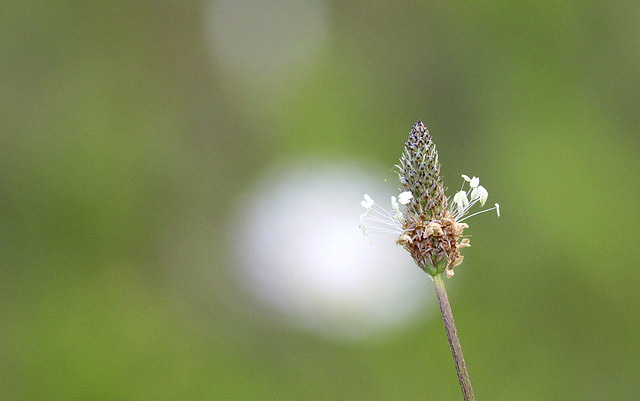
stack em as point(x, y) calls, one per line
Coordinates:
point(452, 335)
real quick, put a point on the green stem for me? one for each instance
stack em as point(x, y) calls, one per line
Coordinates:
point(452, 335)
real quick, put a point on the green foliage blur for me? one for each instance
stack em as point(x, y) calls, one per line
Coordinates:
point(126, 139)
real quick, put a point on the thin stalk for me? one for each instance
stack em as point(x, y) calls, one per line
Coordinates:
point(452, 335)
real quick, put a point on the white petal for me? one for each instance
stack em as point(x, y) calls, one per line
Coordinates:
point(498, 209)
point(367, 203)
point(475, 181)
point(394, 203)
point(460, 198)
point(405, 197)
point(466, 178)
point(483, 194)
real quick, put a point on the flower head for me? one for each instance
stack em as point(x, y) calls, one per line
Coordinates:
point(429, 227)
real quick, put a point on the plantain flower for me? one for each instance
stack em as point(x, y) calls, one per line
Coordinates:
point(429, 225)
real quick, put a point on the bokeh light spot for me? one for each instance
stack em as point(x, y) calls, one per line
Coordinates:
point(303, 254)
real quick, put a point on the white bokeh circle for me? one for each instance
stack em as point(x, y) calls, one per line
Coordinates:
point(303, 254)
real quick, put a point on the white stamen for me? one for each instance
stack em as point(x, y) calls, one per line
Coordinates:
point(385, 221)
point(460, 198)
point(480, 212)
point(394, 203)
point(479, 193)
point(405, 197)
point(367, 203)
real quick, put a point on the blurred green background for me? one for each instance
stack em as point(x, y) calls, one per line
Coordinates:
point(129, 132)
